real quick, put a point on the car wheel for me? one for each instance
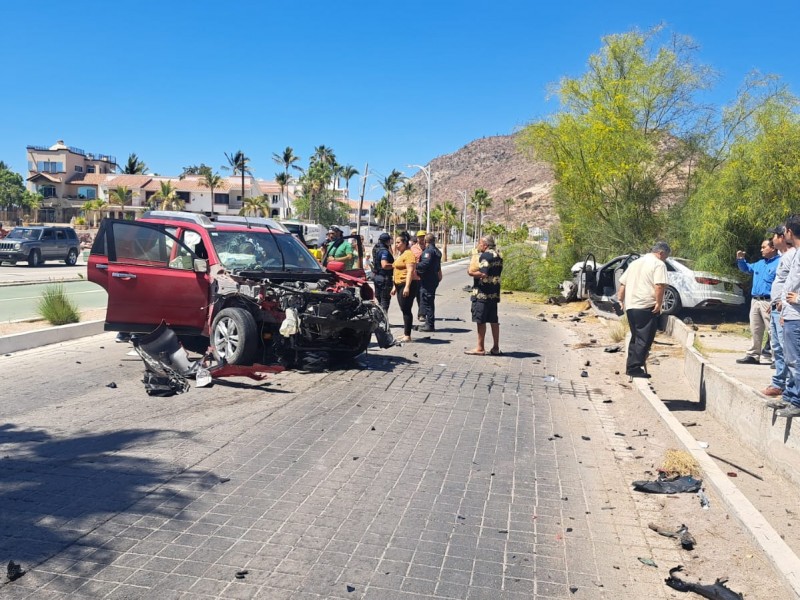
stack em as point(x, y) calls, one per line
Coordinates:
point(671, 303)
point(34, 258)
point(72, 257)
point(234, 336)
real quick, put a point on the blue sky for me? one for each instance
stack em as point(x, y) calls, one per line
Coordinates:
point(389, 83)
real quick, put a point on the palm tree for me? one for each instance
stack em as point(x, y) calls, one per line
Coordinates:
point(411, 216)
point(120, 196)
point(211, 181)
point(390, 185)
point(93, 208)
point(449, 218)
point(507, 203)
point(134, 166)
point(167, 196)
point(253, 206)
point(237, 164)
point(287, 158)
point(348, 172)
point(380, 211)
point(481, 201)
point(409, 189)
point(325, 155)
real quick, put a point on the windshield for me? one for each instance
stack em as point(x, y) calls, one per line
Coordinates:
point(257, 249)
point(24, 233)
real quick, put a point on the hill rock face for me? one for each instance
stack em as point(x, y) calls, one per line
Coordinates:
point(496, 165)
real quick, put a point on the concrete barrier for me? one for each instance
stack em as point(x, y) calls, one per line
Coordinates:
point(52, 335)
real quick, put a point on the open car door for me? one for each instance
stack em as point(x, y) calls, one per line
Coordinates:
point(150, 276)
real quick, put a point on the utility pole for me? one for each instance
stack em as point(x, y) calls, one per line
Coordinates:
point(361, 199)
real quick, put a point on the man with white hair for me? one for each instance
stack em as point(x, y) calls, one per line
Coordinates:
point(486, 295)
point(641, 293)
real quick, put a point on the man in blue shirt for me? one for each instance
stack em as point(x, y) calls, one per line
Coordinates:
point(763, 272)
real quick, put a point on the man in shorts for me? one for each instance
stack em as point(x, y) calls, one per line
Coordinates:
point(486, 294)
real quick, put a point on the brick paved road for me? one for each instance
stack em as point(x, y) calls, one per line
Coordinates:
point(427, 474)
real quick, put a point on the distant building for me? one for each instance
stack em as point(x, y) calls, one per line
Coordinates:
point(68, 177)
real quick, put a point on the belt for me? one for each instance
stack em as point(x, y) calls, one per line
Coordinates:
point(760, 297)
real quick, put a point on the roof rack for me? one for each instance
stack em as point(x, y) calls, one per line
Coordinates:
point(177, 215)
point(251, 222)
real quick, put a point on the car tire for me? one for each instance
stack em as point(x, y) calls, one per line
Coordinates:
point(234, 336)
point(34, 258)
point(72, 257)
point(671, 303)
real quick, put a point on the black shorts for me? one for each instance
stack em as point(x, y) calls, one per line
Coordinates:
point(484, 312)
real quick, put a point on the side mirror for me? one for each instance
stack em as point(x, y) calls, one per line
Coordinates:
point(200, 265)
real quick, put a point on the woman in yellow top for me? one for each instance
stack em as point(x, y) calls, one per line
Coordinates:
point(406, 286)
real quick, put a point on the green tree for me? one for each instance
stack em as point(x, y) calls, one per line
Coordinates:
point(390, 184)
point(200, 169)
point(254, 206)
point(409, 190)
point(348, 172)
point(167, 197)
point(120, 196)
point(449, 220)
point(287, 159)
point(134, 166)
point(12, 188)
point(380, 212)
point(212, 181)
point(508, 203)
point(283, 180)
point(93, 209)
point(480, 200)
point(238, 164)
point(622, 132)
point(410, 216)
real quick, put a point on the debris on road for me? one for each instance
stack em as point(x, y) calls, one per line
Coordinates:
point(705, 503)
point(717, 591)
point(669, 486)
point(647, 561)
point(682, 534)
point(14, 571)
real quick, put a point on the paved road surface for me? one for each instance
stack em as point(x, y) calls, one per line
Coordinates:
point(425, 473)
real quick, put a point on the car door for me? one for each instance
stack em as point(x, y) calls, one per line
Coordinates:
point(145, 282)
point(48, 243)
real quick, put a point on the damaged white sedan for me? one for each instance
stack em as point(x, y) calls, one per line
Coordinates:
point(249, 288)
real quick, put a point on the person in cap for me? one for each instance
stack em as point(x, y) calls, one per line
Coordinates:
point(782, 241)
point(763, 272)
point(382, 269)
point(641, 294)
point(418, 245)
point(338, 249)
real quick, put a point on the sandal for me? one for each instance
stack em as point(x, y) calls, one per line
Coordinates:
point(474, 353)
point(405, 339)
point(495, 352)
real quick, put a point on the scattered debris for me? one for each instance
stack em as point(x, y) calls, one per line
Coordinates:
point(742, 469)
point(111, 385)
point(14, 571)
point(584, 374)
point(717, 591)
point(682, 534)
point(679, 462)
point(705, 503)
point(703, 445)
point(241, 574)
point(585, 438)
point(647, 561)
point(689, 424)
point(616, 348)
point(669, 486)
point(350, 588)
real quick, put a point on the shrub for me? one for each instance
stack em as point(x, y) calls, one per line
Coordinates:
point(56, 307)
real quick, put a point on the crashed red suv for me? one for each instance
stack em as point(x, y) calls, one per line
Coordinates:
point(251, 288)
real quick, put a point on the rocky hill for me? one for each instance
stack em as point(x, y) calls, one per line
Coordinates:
point(496, 165)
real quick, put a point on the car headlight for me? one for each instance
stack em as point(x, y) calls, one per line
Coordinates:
point(17, 246)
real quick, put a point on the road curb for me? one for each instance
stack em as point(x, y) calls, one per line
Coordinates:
point(52, 335)
point(778, 552)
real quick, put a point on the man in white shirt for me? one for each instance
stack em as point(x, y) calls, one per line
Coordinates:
point(641, 293)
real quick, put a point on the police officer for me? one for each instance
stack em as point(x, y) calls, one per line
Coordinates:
point(429, 270)
point(382, 265)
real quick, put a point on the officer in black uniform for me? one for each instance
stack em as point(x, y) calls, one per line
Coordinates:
point(429, 270)
point(382, 266)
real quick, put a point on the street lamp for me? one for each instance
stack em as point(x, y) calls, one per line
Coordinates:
point(464, 219)
point(427, 171)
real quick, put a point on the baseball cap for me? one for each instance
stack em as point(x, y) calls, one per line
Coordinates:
point(385, 237)
point(421, 233)
point(777, 230)
point(333, 229)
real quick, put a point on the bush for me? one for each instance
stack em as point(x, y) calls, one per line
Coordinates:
point(520, 262)
point(56, 307)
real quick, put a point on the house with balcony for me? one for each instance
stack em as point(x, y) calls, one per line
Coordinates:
point(68, 177)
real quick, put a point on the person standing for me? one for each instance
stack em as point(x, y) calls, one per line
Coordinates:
point(763, 272)
point(782, 241)
point(641, 293)
point(429, 270)
point(338, 249)
point(790, 314)
point(417, 247)
point(382, 269)
point(486, 295)
point(406, 285)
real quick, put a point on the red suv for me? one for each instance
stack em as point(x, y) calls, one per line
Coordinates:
point(249, 286)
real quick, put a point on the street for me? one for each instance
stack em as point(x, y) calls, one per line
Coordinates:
point(419, 473)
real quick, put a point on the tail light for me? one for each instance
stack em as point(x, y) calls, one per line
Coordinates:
point(706, 280)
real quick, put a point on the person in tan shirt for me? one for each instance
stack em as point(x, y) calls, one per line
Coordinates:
point(641, 293)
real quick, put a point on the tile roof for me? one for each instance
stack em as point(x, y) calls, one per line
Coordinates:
point(130, 181)
point(47, 176)
point(90, 179)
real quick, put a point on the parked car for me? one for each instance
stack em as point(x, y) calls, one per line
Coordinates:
point(37, 244)
point(686, 287)
point(254, 291)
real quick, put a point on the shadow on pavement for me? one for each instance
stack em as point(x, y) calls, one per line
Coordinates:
point(54, 491)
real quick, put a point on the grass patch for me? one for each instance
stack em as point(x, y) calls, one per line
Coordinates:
point(58, 308)
point(619, 330)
